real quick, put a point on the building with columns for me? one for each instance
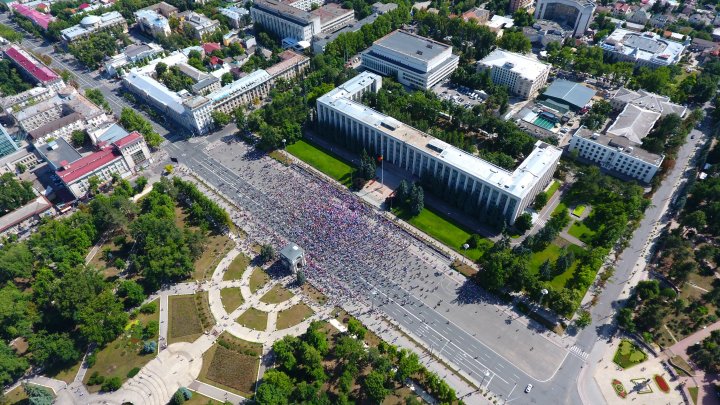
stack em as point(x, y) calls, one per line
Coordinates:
point(488, 186)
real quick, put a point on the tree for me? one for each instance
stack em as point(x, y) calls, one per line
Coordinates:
point(149, 347)
point(403, 191)
point(696, 219)
point(54, 349)
point(14, 193)
point(17, 312)
point(160, 69)
point(522, 18)
point(102, 319)
point(584, 319)
point(267, 253)
point(38, 395)
point(220, 118)
point(625, 320)
point(408, 364)
point(78, 138)
point(546, 271)
point(226, 78)
point(112, 384)
point(515, 41)
point(707, 354)
point(11, 365)
point(132, 121)
point(523, 222)
point(300, 277)
point(140, 183)
point(169, 169)
point(93, 184)
point(540, 200)
point(647, 289)
point(374, 386)
point(356, 328)
point(98, 98)
point(133, 293)
point(275, 388)
point(417, 199)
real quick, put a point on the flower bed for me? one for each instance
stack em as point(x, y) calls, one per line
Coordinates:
point(661, 383)
point(619, 388)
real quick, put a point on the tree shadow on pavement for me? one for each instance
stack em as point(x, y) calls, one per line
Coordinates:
point(471, 293)
point(277, 270)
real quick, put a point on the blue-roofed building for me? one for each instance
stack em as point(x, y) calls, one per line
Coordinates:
point(107, 133)
point(574, 96)
point(7, 145)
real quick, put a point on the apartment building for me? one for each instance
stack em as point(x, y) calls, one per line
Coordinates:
point(524, 76)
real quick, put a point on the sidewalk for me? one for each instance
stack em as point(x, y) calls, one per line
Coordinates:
point(216, 393)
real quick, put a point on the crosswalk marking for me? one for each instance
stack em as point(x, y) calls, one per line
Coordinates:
point(579, 352)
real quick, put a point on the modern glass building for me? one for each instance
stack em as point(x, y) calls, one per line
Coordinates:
point(7, 145)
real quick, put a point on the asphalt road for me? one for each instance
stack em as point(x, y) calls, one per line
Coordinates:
point(634, 258)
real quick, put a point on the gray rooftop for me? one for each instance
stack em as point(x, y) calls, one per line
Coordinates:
point(34, 207)
point(572, 93)
point(54, 125)
point(621, 143)
point(291, 252)
point(58, 153)
point(113, 133)
point(412, 45)
point(634, 123)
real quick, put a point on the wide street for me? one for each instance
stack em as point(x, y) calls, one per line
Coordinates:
point(632, 262)
point(455, 320)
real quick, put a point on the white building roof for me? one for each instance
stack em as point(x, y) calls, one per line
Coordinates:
point(247, 82)
point(634, 123)
point(518, 182)
point(525, 66)
point(649, 101)
point(645, 46)
point(155, 90)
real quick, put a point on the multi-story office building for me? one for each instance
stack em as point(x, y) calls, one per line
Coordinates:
point(333, 17)
point(516, 5)
point(238, 16)
point(646, 100)
point(132, 54)
point(198, 23)
point(41, 20)
point(194, 111)
point(485, 184)
point(27, 97)
point(642, 49)
point(120, 157)
point(153, 23)
point(524, 76)
point(574, 15)
point(616, 154)
point(411, 59)
point(92, 24)
point(285, 20)
point(33, 69)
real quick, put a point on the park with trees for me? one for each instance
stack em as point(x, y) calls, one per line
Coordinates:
point(59, 304)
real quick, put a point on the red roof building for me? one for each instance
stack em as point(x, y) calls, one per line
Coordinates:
point(210, 47)
point(31, 66)
point(83, 6)
point(40, 19)
point(120, 157)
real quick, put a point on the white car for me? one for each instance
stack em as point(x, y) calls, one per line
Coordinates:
point(528, 388)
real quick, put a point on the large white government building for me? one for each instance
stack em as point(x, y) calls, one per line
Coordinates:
point(421, 154)
point(411, 59)
point(296, 20)
point(523, 76)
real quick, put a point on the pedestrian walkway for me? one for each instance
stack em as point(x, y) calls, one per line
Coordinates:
point(216, 393)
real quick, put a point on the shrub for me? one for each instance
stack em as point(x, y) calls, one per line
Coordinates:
point(148, 308)
point(149, 347)
point(112, 384)
point(132, 373)
point(96, 379)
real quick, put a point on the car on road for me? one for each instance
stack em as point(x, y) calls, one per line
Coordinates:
point(528, 388)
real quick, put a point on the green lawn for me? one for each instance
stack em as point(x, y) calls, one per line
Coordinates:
point(323, 160)
point(579, 230)
point(120, 356)
point(553, 188)
point(693, 394)
point(551, 253)
point(629, 354)
point(561, 206)
point(293, 315)
point(253, 319)
point(446, 231)
point(231, 298)
point(237, 267)
point(579, 210)
point(276, 295)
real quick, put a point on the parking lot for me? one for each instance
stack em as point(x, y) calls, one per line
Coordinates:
point(459, 94)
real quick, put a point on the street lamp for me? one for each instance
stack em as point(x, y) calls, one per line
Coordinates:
point(544, 292)
point(486, 374)
point(465, 246)
point(284, 140)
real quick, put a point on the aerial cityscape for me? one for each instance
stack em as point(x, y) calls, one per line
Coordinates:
point(359, 202)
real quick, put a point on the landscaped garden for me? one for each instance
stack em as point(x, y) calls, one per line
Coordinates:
point(232, 364)
point(253, 319)
point(258, 279)
point(579, 210)
point(551, 254)
point(237, 267)
point(554, 186)
point(323, 160)
point(276, 295)
point(129, 352)
point(185, 324)
point(579, 230)
point(661, 383)
point(231, 298)
point(629, 354)
point(619, 388)
point(293, 315)
point(445, 230)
